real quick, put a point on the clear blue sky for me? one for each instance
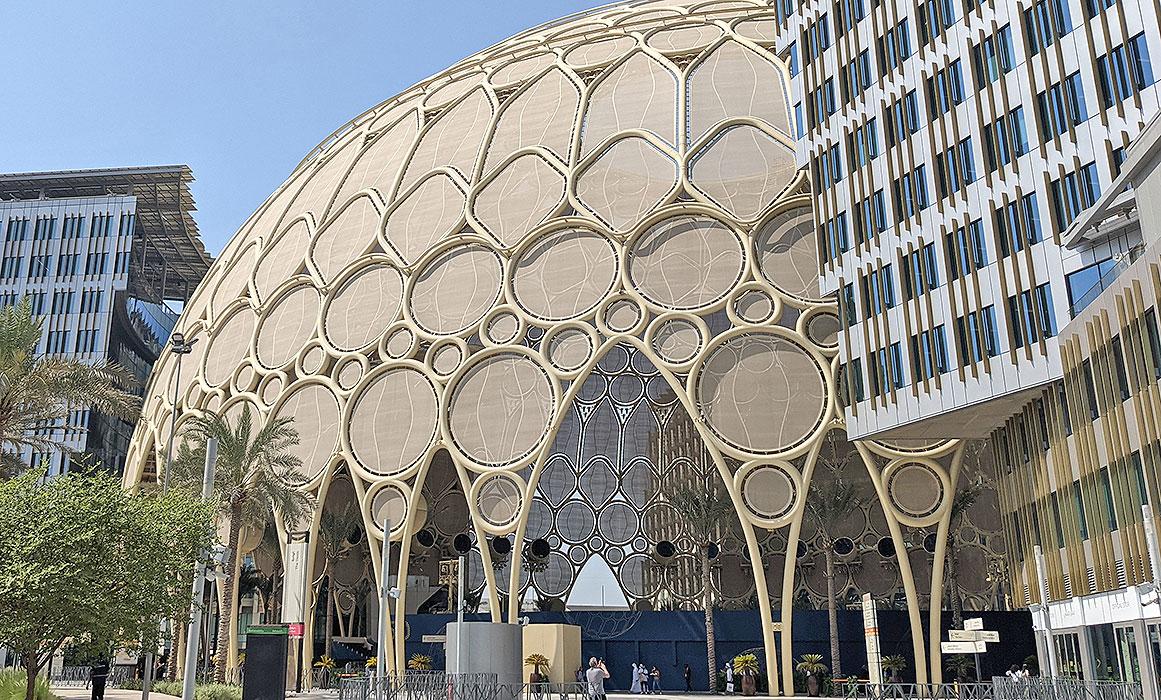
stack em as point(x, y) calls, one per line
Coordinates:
point(238, 89)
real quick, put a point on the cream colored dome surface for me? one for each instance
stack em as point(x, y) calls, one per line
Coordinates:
point(599, 215)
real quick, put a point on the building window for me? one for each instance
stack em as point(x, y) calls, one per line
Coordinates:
point(902, 118)
point(854, 374)
point(1073, 193)
point(945, 90)
point(1085, 284)
point(816, 38)
point(976, 336)
point(45, 228)
point(1124, 71)
point(849, 12)
point(1118, 360)
point(1044, 22)
point(863, 144)
point(1094, 409)
point(955, 168)
point(73, 225)
point(966, 249)
point(1061, 106)
point(934, 17)
point(993, 56)
point(849, 308)
point(856, 77)
point(835, 239)
point(1005, 139)
point(17, 230)
point(1017, 224)
point(1031, 315)
point(894, 47)
point(910, 193)
point(100, 226)
point(1154, 342)
point(827, 167)
point(870, 217)
point(929, 353)
point(39, 267)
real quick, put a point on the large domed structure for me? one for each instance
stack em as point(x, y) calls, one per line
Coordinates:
point(522, 298)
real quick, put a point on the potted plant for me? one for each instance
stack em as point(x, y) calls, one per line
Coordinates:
point(746, 666)
point(537, 661)
point(811, 666)
point(419, 662)
point(893, 665)
point(959, 666)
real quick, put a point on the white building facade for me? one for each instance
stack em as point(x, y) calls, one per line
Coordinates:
point(103, 256)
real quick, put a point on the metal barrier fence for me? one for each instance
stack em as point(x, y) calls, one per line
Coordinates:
point(78, 676)
point(468, 686)
point(1064, 689)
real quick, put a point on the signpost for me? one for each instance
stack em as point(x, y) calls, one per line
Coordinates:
point(871, 634)
point(972, 639)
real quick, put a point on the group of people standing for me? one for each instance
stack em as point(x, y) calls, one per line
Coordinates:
point(645, 680)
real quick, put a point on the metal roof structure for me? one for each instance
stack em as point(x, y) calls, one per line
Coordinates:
point(169, 256)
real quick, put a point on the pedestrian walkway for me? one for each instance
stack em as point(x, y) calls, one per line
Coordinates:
point(80, 692)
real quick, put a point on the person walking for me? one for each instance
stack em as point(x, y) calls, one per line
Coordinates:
point(643, 676)
point(688, 673)
point(98, 674)
point(635, 680)
point(729, 678)
point(596, 676)
point(655, 677)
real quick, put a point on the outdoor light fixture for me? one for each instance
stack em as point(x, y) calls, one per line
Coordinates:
point(178, 346)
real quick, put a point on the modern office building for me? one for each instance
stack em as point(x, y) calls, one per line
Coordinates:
point(107, 257)
point(954, 148)
point(509, 305)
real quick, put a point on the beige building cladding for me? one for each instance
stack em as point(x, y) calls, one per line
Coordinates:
point(484, 300)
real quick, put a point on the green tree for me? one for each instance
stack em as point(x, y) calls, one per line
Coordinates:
point(40, 391)
point(256, 473)
point(336, 531)
point(830, 503)
point(703, 508)
point(85, 559)
point(964, 499)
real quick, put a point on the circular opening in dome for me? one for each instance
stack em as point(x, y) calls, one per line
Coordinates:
point(886, 547)
point(844, 546)
point(462, 543)
point(929, 542)
point(539, 549)
point(501, 546)
point(665, 549)
point(425, 538)
point(712, 550)
point(800, 551)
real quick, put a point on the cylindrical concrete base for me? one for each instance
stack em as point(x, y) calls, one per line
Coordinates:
point(486, 647)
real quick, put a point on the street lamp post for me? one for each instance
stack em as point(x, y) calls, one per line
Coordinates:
point(179, 347)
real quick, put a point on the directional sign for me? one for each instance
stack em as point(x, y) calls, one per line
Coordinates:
point(963, 635)
point(434, 638)
point(958, 647)
point(989, 636)
point(973, 623)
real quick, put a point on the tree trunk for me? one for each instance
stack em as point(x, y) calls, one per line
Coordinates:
point(330, 634)
point(953, 586)
point(708, 600)
point(177, 656)
point(29, 660)
point(232, 657)
point(227, 592)
point(832, 615)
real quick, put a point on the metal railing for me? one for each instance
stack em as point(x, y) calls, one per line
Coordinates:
point(78, 676)
point(1064, 689)
point(920, 691)
point(436, 685)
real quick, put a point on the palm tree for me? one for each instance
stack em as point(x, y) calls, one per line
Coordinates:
point(255, 473)
point(830, 504)
point(704, 507)
point(334, 536)
point(38, 392)
point(965, 498)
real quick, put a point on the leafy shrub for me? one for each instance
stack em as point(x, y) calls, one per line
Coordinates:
point(12, 682)
point(207, 691)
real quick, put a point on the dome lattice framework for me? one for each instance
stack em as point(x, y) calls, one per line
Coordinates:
point(522, 270)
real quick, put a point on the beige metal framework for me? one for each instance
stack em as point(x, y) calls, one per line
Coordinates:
point(445, 272)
